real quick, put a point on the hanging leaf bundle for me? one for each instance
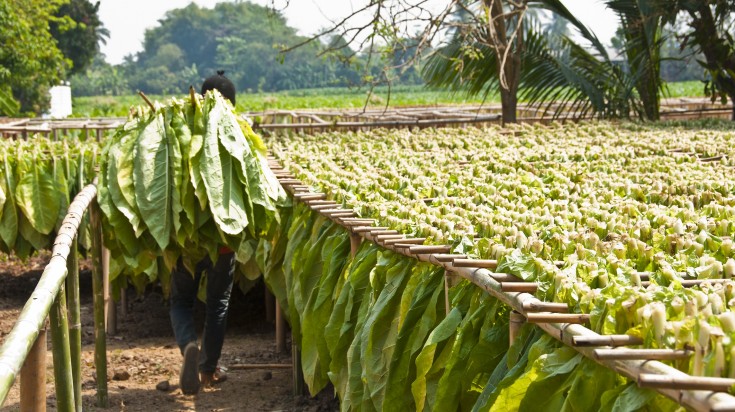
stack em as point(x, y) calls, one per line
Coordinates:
point(38, 179)
point(182, 181)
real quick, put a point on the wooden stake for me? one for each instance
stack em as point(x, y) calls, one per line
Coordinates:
point(33, 377)
point(355, 241)
point(280, 330)
point(515, 323)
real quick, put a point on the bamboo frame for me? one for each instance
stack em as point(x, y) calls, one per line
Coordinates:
point(18, 343)
point(559, 327)
point(649, 380)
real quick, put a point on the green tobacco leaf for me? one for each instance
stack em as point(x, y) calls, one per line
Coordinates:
point(315, 356)
point(220, 176)
point(426, 358)
point(177, 178)
point(153, 180)
point(340, 330)
point(381, 329)
point(195, 120)
point(9, 222)
point(38, 199)
point(419, 320)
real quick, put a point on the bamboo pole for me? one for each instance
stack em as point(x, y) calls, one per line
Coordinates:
point(33, 377)
point(539, 306)
point(100, 344)
point(63, 377)
point(649, 380)
point(475, 263)
point(110, 309)
point(644, 354)
point(515, 323)
point(606, 340)
point(248, 366)
point(31, 320)
point(557, 317)
point(298, 374)
point(75, 322)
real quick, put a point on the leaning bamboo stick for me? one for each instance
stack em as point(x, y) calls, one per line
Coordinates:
point(415, 241)
point(63, 378)
point(100, 345)
point(446, 257)
point(310, 196)
point(642, 354)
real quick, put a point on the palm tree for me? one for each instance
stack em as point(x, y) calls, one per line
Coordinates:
point(559, 74)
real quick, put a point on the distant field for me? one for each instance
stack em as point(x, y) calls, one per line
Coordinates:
point(339, 98)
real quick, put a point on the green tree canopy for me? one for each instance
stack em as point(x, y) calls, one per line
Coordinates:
point(78, 32)
point(30, 61)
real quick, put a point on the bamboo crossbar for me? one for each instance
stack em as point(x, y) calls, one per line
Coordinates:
point(475, 263)
point(567, 328)
point(649, 380)
point(606, 340)
point(18, 343)
point(642, 354)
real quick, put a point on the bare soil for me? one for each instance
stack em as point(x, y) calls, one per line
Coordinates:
point(143, 354)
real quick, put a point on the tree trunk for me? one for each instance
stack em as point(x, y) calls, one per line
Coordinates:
point(720, 58)
point(510, 68)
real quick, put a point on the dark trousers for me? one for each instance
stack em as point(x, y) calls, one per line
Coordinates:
point(183, 296)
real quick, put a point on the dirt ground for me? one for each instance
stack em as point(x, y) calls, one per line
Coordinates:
point(144, 362)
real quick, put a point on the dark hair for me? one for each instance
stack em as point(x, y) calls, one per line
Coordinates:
point(221, 83)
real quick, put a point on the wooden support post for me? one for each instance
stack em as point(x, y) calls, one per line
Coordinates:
point(33, 377)
point(100, 337)
point(355, 241)
point(63, 378)
point(280, 330)
point(446, 293)
point(123, 301)
point(270, 305)
point(75, 322)
point(298, 374)
point(515, 324)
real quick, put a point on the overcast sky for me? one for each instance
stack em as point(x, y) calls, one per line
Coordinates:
point(127, 20)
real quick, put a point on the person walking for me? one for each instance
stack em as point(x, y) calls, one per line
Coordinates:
point(200, 367)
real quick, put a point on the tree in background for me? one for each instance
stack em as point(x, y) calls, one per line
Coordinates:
point(78, 31)
point(710, 33)
point(30, 62)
